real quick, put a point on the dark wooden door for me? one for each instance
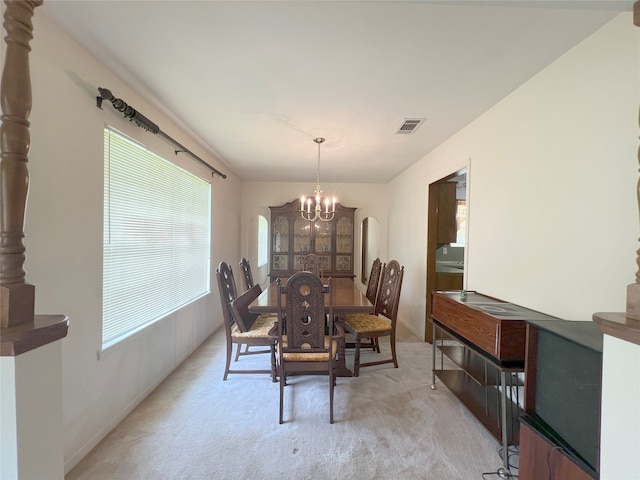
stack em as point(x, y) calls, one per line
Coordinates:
point(441, 230)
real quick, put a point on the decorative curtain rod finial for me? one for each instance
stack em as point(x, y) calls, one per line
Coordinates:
point(143, 122)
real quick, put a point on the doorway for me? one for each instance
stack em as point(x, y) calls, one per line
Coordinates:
point(446, 237)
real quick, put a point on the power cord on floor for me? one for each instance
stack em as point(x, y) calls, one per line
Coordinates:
point(502, 473)
point(505, 473)
point(512, 451)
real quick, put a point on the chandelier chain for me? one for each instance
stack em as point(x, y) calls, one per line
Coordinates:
point(318, 141)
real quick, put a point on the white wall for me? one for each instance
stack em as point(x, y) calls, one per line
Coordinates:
point(30, 421)
point(552, 219)
point(620, 419)
point(553, 214)
point(371, 240)
point(64, 238)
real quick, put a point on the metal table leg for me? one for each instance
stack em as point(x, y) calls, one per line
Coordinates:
point(433, 356)
point(503, 413)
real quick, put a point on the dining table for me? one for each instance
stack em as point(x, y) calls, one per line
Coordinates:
point(347, 298)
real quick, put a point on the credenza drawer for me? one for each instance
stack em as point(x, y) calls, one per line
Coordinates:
point(494, 326)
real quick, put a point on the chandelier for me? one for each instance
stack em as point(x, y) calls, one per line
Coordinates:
point(316, 207)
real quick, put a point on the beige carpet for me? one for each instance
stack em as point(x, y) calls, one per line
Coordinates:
point(389, 424)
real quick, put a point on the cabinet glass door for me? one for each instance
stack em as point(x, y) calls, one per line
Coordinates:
point(344, 244)
point(280, 246)
point(322, 243)
point(323, 237)
point(302, 236)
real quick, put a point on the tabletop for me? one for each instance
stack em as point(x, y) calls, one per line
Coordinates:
point(347, 298)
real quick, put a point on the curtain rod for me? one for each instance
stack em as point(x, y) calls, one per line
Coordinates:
point(146, 124)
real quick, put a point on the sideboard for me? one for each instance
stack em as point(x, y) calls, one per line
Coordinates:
point(487, 350)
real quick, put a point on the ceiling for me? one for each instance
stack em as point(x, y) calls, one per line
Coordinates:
point(255, 82)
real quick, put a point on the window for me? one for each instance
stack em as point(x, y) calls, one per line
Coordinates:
point(156, 239)
point(263, 240)
point(461, 223)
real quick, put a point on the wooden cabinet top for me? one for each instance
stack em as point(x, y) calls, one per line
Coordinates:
point(494, 326)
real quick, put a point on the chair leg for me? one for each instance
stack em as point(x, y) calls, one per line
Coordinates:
point(282, 379)
point(238, 352)
point(274, 376)
point(393, 348)
point(377, 342)
point(356, 360)
point(332, 382)
point(226, 368)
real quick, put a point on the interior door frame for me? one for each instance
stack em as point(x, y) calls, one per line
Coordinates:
point(432, 246)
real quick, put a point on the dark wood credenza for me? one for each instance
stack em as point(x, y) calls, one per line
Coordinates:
point(487, 347)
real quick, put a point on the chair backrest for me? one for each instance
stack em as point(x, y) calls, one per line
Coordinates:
point(389, 293)
point(228, 293)
point(305, 313)
point(311, 263)
point(247, 278)
point(240, 308)
point(374, 280)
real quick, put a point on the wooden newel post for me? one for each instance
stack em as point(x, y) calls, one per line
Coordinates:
point(633, 290)
point(16, 296)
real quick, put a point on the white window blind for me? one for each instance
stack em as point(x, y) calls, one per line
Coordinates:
point(156, 237)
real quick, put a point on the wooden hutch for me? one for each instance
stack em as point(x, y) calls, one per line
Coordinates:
point(293, 237)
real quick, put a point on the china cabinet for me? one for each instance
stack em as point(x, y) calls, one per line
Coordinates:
point(293, 237)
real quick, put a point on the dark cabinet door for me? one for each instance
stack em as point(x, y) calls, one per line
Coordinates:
point(446, 211)
point(539, 459)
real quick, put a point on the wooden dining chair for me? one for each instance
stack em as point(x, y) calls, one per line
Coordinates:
point(247, 277)
point(371, 294)
point(374, 280)
point(382, 322)
point(312, 263)
point(241, 328)
point(307, 338)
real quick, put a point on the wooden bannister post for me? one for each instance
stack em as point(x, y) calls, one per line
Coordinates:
point(16, 296)
point(633, 290)
point(626, 325)
point(20, 329)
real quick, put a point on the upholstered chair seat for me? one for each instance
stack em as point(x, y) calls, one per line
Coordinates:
point(260, 328)
point(366, 322)
point(309, 356)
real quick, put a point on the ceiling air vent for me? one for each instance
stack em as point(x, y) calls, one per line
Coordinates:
point(409, 126)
